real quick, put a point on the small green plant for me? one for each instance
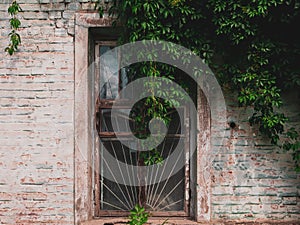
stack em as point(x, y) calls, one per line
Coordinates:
point(99, 8)
point(138, 216)
point(15, 23)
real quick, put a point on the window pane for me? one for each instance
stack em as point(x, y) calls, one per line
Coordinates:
point(116, 196)
point(109, 75)
point(120, 119)
point(112, 77)
point(163, 195)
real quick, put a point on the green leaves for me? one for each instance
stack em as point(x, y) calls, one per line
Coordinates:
point(258, 88)
point(244, 42)
point(14, 8)
point(138, 216)
point(292, 143)
point(99, 8)
point(15, 23)
point(152, 157)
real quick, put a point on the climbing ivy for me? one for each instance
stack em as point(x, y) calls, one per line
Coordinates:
point(244, 42)
point(15, 23)
point(263, 61)
point(240, 40)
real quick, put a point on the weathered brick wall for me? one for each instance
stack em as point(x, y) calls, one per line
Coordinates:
point(251, 179)
point(36, 115)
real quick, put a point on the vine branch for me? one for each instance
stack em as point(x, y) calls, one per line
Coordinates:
point(14, 37)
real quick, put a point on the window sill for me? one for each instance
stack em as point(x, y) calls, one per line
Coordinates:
point(151, 221)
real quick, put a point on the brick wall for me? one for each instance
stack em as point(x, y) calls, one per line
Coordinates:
point(251, 179)
point(36, 115)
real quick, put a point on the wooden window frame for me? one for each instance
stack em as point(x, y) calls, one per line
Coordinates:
point(107, 104)
point(84, 140)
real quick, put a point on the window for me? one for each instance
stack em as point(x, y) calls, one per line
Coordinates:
point(169, 194)
point(87, 194)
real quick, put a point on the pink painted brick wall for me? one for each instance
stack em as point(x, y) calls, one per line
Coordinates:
point(250, 180)
point(36, 117)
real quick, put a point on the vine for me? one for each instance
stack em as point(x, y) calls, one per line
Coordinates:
point(15, 23)
point(269, 62)
point(224, 25)
point(233, 37)
point(235, 32)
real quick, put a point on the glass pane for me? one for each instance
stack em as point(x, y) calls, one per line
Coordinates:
point(119, 118)
point(165, 195)
point(112, 77)
point(116, 196)
point(174, 124)
point(109, 73)
point(168, 194)
point(121, 121)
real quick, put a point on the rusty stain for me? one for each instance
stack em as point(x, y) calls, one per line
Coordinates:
point(204, 205)
point(57, 140)
point(30, 77)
